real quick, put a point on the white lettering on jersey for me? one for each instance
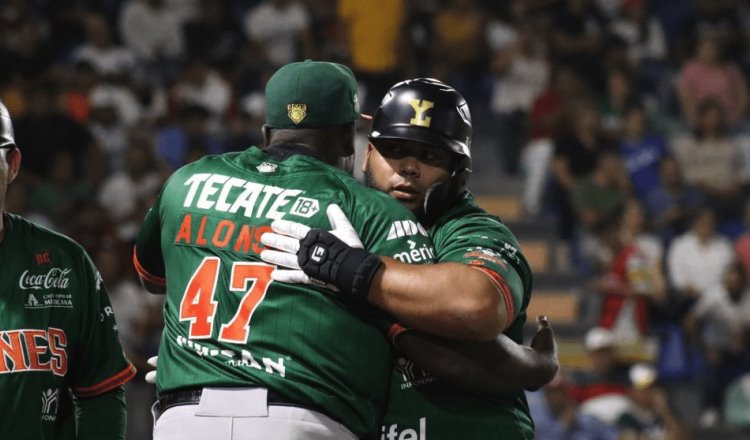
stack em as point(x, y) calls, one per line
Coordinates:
point(405, 228)
point(416, 255)
point(56, 278)
point(234, 359)
point(222, 194)
point(392, 433)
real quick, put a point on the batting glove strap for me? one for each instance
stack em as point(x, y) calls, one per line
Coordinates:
point(322, 256)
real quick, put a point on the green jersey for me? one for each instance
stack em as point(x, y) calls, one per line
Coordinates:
point(57, 333)
point(420, 407)
point(227, 324)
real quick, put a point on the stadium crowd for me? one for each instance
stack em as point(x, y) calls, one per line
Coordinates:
point(626, 119)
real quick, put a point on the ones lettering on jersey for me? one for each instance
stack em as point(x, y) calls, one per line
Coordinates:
point(33, 350)
point(227, 194)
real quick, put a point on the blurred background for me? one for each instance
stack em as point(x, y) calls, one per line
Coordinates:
point(611, 135)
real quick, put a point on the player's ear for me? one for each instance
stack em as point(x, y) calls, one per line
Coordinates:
point(366, 157)
point(266, 135)
point(13, 157)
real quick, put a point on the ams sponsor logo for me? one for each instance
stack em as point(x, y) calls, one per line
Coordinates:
point(33, 350)
point(405, 228)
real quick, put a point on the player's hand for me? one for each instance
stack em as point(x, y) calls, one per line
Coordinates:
point(151, 375)
point(318, 257)
point(545, 346)
point(286, 238)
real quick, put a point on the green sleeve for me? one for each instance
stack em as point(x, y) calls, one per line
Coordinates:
point(147, 256)
point(486, 243)
point(103, 417)
point(100, 364)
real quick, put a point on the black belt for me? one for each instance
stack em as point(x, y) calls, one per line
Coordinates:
point(192, 396)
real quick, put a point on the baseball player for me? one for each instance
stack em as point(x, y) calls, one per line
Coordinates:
point(419, 154)
point(243, 356)
point(62, 368)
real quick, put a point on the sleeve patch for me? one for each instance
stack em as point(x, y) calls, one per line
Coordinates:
point(480, 253)
point(502, 288)
point(107, 384)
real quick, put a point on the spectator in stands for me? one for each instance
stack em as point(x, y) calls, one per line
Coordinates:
point(630, 283)
point(521, 73)
point(188, 139)
point(26, 51)
point(576, 155)
point(601, 388)
point(60, 191)
point(110, 60)
point(373, 41)
point(721, 318)
point(46, 125)
point(279, 31)
point(634, 231)
point(646, 44)
point(545, 122)
point(674, 202)
point(579, 38)
point(82, 79)
point(461, 51)
point(697, 259)
point(742, 244)
point(641, 151)
point(599, 195)
point(201, 85)
point(712, 160)
point(214, 35)
point(123, 192)
point(649, 415)
point(153, 32)
point(642, 32)
point(718, 19)
point(556, 416)
point(709, 76)
point(619, 95)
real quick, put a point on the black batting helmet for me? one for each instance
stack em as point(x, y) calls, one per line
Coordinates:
point(6, 128)
point(428, 111)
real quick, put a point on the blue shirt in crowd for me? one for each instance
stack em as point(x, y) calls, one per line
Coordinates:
point(641, 159)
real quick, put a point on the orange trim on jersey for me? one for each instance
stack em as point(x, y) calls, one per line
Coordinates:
point(143, 273)
point(502, 288)
point(394, 330)
point(107, 384)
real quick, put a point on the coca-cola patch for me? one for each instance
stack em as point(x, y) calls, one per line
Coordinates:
point(55, 278)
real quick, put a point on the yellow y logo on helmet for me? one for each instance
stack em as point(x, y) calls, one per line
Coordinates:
point(420, 106)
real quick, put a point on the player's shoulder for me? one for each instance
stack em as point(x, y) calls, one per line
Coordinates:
point(32, 233)
point(467, 214)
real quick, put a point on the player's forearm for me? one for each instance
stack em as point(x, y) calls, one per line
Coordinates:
point(488, 367)
point(103, 417)
point(447, 299)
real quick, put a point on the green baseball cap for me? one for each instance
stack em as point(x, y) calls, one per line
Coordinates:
point(311, 94)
